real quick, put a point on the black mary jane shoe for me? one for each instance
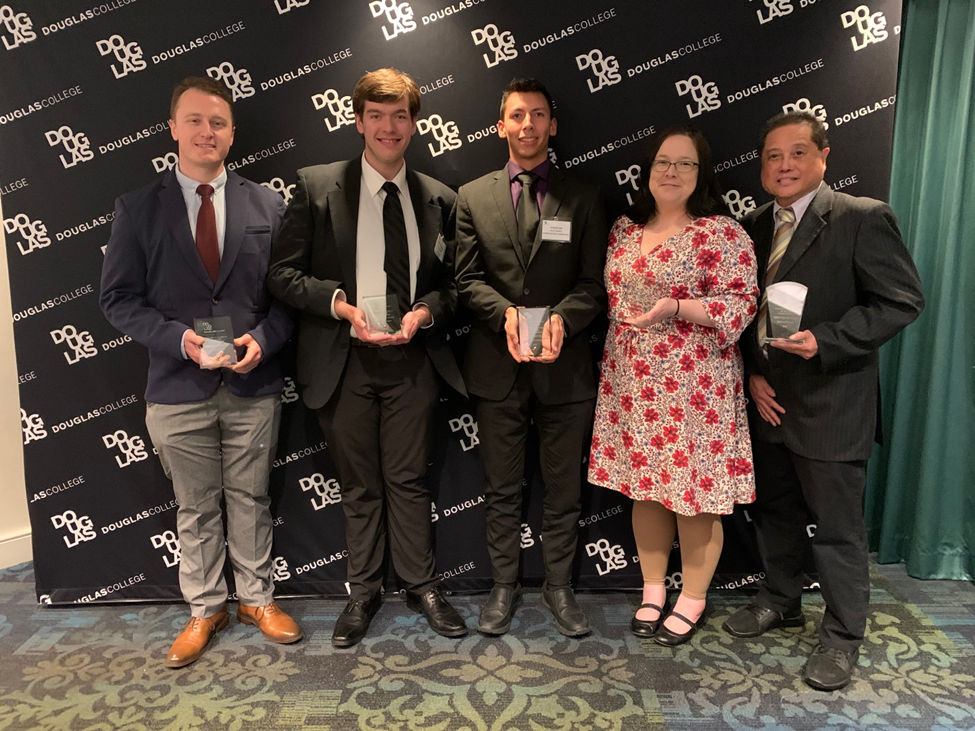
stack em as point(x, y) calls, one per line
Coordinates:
point(667, 638)
point(647, 629)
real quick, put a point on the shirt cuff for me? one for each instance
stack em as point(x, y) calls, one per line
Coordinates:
point(339, 295)
point(182, 344)
point(417, 306)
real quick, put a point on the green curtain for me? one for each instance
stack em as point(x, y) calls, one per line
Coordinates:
point(920, 504)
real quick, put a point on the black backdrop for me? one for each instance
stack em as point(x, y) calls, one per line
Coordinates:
point(83, 110)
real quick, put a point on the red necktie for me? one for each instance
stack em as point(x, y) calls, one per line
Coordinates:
point(206, 233)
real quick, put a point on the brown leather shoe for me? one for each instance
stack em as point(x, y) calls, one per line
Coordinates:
point(273, 622)
point(193, 640)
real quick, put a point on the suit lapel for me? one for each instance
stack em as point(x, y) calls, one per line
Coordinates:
point(428, 224)
point(502, 197)
point(343, 203)
point(813, 221)
point(174, 211)
point(236, 202)
point(552, 203)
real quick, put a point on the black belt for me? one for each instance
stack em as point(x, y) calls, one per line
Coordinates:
point(356, 343)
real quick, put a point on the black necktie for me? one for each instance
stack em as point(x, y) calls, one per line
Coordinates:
point(397, 261)
point(527, 213)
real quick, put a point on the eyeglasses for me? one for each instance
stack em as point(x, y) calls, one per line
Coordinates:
point(683, 166)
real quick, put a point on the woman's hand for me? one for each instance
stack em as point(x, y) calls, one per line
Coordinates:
point(664, 309)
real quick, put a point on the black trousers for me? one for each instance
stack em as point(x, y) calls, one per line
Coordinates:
point(792, 493)
point(563, 431)
point(377, 425)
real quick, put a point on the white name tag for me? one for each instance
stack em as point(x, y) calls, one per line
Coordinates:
point(440, 248)
point(556, 230)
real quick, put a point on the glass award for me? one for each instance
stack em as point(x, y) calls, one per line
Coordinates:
point(786, 301)
point(382, 313)
point(218, 349)
point(531, 326)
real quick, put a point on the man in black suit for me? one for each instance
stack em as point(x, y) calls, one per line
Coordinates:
point(529, 235)
point(814, 397)
point(371, 228)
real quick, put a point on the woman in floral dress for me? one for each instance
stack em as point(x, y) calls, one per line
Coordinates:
point(670, 430)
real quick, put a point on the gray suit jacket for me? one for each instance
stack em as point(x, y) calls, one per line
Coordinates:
point(154, 284)
point(315, 254)
point(493, 275)
point(863, 289)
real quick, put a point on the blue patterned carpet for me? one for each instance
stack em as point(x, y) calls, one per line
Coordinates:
point(100, 668)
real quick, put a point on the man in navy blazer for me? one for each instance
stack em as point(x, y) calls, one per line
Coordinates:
point(195, 244)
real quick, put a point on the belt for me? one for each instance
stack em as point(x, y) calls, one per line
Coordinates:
point(356, 343)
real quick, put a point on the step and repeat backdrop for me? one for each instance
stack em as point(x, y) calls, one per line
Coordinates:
point(83, 118)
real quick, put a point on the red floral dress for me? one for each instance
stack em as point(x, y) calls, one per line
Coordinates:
point(670, 415)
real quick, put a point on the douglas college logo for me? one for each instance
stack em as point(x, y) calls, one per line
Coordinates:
point(170, 542)
point(239, 82)
point(611, 555)
point(33, 427)
point(166, 162)
point(706, 95)
point(526, 536)
point(129, 55)
point(398, 15)
point(33, 234)
point(467, 423)
point(606, 69)
point(18, 25)
point(289, 394)
point(284, 6)
point(81, 343)
point(870, 27)
point(804, 105)
point(629, 175)
point(328, 492)
point(340, 107)
point(446, 134)
point(81, 529)
point(501, 43)
point(739, 206)
point(776, 9)
point(133, 448)
point(76, 144)
point(280, 569)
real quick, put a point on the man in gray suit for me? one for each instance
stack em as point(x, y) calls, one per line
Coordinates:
point(195, 244)
point(814, 403)
point(529, 235)
point(366, 228)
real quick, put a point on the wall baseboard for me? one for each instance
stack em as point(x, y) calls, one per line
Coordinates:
point(15, 550)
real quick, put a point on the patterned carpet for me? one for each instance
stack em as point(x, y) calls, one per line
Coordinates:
point(100, 668)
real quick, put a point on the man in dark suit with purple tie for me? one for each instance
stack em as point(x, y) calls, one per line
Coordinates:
point(195, 244)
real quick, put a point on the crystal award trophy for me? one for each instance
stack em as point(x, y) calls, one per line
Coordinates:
point(531, 325)
point(786, 301)
point(218, 349)
point(382, 313)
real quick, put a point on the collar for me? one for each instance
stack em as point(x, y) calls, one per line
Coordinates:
point(799, 207)
point(187, 183)
point(374, 180)
point(542, 170)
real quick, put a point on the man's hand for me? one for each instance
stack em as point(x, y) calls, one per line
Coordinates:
point(764, 397)
point(357, 318)
point(252, 357)
point(552, 336)
point(663, 309)
point(412, 321)
point(802, 344)
point(191, 344)
point(511, 332)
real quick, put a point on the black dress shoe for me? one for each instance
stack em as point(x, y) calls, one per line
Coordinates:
point(442, 618)
point(753, 620)
point(353, 622)
point(496, 614)
point(669, 638)
point(829, 668)
point(647, 628)
point(570, 620)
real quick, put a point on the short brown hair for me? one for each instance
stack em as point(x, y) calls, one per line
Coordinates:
point(526, 86)
point(207, 86)
point(783, 119)
point(384, 86)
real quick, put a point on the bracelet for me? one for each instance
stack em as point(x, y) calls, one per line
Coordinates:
point(678, 307)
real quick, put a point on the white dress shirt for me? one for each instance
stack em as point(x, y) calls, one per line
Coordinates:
point(798, 208)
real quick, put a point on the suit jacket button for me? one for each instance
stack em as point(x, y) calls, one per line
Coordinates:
point(215, 301)
point(527, 291)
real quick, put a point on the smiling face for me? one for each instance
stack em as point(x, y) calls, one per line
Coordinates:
point(204, 131)
point(792, 165)
point(386, 128)
point(527, 125)
point(672, 189)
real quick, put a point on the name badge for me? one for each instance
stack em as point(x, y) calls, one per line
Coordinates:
point(556, 230)
point(440, 248)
